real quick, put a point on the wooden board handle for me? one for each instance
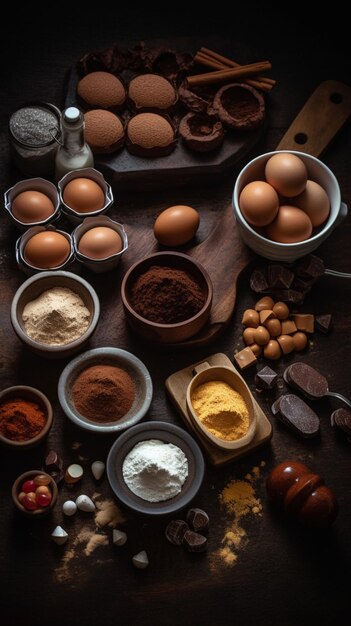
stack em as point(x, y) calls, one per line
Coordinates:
point(320, 119)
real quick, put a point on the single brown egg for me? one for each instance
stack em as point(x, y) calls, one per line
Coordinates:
point(290, 226)
point(272, 350)
point(281, 310)
point(315, 202)
point(265, 303)
point(250, 318)
point(259, 203)
point(176, 225)
point(261, 335)
point(100, 242)
point(47, 249)
point(274, 327)
point(32, 206)
point(248, 336)
point(287, 173)
point(300, 341)
point(286, 343)
point(83, 195)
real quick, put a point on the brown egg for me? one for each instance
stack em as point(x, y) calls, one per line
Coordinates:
point(248, 336)
point(300, 341)
point(83, 195)
point(176, 225)
point(274, 327)
point(256, 349)
point(250, 318)
point(259, 203)
point(286, 343)
point(100, 242)
point(47, 249)
point(290, 226)
point(272, 350)
point(281, 310)
point(287, 173)
point(265, 303)
point(32, 206)
point(315, 202)
point(261, 335)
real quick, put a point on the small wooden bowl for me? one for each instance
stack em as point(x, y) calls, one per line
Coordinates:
point(167, 333)
point(205, 373)
point(16, 488)
point(33, 395)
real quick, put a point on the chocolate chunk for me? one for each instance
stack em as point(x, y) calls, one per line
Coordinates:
point(266, 378)
point(290, 295)
point(192, 101)
point(324, 323)
point(175, 531)
point(298, 416)
point(201, 132)
point(239, 106)
point(304, 322)
point(258, 281)
point(245, 358)
point(306, 379)
point(310, 267)
point(194, 542)
point(301, 285)
point(279, 277)
point(198, 519)
point(53, 462)
point(342, 419)
point(275, 408)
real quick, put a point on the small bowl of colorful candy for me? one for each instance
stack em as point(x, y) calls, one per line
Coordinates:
point(286, 204)
point(25, 416)
point(34, 493)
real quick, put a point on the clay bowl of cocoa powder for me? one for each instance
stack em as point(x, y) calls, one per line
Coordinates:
point(26, 416)
point(94, 390)
point(167, 297)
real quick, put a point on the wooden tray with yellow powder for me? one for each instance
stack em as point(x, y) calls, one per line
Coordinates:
point(176, 386)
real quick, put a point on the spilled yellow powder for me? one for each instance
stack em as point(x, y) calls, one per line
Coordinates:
point(94, 542)
point(107, 514)
point(239, 500)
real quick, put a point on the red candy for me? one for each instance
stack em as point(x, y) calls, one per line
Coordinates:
point(43, 499)
point(29, 503)
point(28, 486)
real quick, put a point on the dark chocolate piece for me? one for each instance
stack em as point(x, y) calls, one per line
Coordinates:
point(175, 531)
point(194, 542)
point(239, 106)
point(110, 59)
point(310, 267)
point(275, 408)
point(53, 462)
point(324, 323)
point(258, 281)
point(198, 519)
point(306, 379)
point(201, 132)
point(279, 276)
point(342, 419)
point(289, 295)
point(298, 416)
point(266, 378)
point(301, 285)
point(192, 101)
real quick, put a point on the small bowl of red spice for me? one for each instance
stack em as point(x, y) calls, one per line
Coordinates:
point(34, 493)
point(105, 390)
point(25, 416)
point(167, 297)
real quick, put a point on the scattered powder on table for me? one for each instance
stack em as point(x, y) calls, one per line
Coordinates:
point(221, 409)
point(239, 500)
point(56, 317)
point(87, 540)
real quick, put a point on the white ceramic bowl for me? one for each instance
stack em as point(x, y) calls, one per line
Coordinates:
point(75, 217)
point(108, 263)
point(288, 252)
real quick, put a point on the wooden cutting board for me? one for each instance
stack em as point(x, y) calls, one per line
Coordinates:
point(176, 386)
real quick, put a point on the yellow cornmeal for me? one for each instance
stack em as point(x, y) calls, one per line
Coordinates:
point(221, 409)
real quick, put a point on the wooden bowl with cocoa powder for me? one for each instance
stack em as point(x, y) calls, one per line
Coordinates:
point(158, 291)
point(25, 416)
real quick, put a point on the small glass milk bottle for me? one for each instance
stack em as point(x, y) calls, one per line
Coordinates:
point(73, 153)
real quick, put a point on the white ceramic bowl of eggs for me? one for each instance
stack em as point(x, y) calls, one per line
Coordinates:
point(286, 204)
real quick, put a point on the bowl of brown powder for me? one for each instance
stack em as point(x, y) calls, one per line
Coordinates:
point(55, 313)
point(105, 390)
point(167, 297)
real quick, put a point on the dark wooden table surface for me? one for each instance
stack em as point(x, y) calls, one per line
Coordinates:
point(284, 574)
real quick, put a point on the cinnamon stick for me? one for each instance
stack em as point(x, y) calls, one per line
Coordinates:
point(218, 58)
point(222, 76)
point(257, 82)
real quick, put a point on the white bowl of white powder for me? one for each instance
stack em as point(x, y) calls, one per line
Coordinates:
point(155, 468)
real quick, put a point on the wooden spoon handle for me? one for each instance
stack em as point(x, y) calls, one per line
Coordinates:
point(319, 120)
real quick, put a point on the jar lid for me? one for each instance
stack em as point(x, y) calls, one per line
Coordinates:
point(35, 125)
